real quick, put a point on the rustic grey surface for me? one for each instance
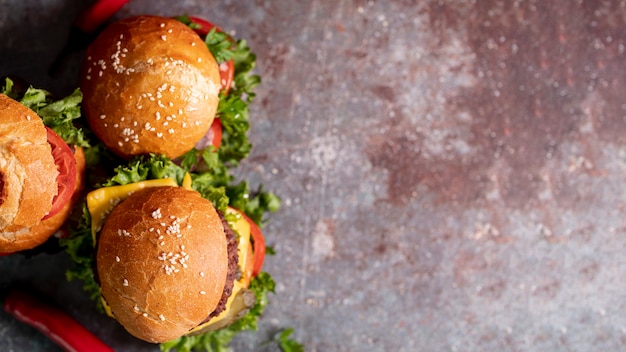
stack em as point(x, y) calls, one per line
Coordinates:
point(452, 172)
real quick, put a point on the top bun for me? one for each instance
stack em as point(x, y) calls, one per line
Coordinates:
point(27, 171)
point(150, 85)
point(162, 261)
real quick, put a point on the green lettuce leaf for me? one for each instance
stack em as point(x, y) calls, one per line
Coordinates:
point(286, 343)
point(59, 115)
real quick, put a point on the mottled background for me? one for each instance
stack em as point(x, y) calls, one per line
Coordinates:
point(451, 171)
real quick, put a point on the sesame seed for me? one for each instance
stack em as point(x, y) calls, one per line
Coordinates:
point(136, 308)
point(199, 59)
point(202, 292)
point(88, 77)
point(163, 37)
point(169, 30)
point(102, 117)
point(161, 317)
point(145, 314)
point(202, 273)
point(117, 259)
point(158, 116)
point(162, 25)
point(193, 44)
point(171, 131)
point(125, 282)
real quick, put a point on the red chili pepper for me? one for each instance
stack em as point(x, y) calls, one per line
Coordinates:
point(57, 325)
point(85, 29)
point(98, 13)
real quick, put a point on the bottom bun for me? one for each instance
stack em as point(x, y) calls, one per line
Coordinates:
point(32, 237)
point(162, 261)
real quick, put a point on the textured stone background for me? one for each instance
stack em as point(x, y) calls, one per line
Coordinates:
point(452, 172)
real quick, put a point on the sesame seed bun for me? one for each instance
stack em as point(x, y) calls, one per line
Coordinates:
point(27, 174)
point(162, 262)
point(40, 232)
point(150, 85)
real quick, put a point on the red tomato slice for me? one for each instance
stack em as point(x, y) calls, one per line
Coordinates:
point(227, 74)
point(215, 133)
point(227, 69)
point(66, 164)
point(259, 245)
point(212, 137)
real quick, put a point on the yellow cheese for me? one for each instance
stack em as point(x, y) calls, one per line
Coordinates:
point(101, 201)
point(187, 181)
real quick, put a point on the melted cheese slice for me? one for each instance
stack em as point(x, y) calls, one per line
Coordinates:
point(101, 201)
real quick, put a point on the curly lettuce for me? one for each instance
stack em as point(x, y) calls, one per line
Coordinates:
point(59, 115)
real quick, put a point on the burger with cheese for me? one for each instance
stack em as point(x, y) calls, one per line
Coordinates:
point(41, 165)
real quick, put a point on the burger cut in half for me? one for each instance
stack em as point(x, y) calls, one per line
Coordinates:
point(168, 263)
point(40, 174)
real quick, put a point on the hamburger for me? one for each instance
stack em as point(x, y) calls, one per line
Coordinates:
point(42, 165)
point(168, 255)
point(157, 239)
point(150, 85)
point(204, 278)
